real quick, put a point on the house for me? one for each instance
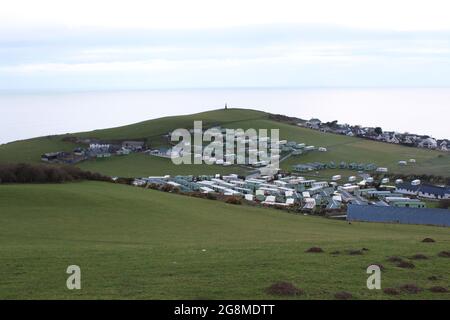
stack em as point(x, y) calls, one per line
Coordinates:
point(428, 143)
point(334, 205)
point(51, 156)
point(313, 123)
point(393, 139)
point(78, 151)
point(133, 145)
point(424, 191)
point(401, 202)
point(310, 204)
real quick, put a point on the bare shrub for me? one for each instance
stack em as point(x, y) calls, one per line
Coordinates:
point(211, 196)
point(166, 188)
point(233, 200)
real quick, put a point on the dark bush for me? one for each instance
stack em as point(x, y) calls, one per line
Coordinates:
point(211, 196)
point(176, 190)
point(128, 181)
point(197, 195)
point(428, 240)
point(444, 204)
point(433, 278)
point(284, 289)
point(44, 173)
point(233, 200)
point(166, 188)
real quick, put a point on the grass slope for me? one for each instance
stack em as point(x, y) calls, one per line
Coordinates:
point(341, 148)
point(136, 243)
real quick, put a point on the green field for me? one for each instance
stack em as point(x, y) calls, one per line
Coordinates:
point(340, 148)
point(133, 243)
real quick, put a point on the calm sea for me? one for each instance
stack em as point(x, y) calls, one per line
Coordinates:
point(26, 115)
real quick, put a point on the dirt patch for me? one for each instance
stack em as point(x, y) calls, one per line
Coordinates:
point(419, 256)
point(410, 288)
point(394, 259)
point(284, 289)
point(444, 254)
point(439, 289)
point(406, 265)
point(314, 250)
point(391, 291)
point(355, 252)
point(343, 295)
point(428, 240)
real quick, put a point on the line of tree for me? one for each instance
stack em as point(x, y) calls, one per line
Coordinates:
point(43, 173)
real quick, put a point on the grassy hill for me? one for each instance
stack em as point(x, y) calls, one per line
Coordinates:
point(134, 243)
point(340, 148)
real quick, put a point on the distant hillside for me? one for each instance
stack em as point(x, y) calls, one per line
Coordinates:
point(340, 148)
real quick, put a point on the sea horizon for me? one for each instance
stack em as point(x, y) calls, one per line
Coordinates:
point(63, 111)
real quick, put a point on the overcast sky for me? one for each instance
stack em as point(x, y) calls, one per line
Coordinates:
point(90, 45)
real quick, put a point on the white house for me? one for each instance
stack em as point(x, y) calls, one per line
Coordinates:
point(428, 143)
